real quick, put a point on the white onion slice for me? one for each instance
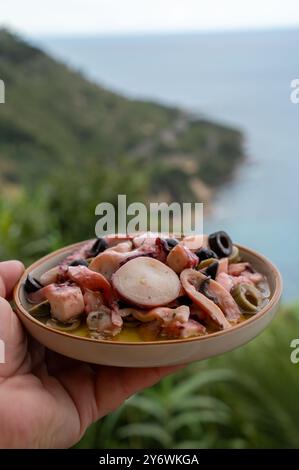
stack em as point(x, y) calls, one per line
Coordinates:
point(146, 282)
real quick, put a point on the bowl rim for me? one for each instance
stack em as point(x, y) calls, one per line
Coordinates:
point(21, 310)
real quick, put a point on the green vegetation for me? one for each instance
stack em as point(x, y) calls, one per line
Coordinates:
point(53, 116)
point(67, 144)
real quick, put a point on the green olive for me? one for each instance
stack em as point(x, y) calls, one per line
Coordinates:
point(57, 325)
point(235, 256)
point(41, 310)
point(247, 297)
point(205, 263)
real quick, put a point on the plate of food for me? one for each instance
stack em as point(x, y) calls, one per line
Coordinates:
point(147, 300)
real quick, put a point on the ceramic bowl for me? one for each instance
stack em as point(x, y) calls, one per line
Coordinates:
point(155, 353)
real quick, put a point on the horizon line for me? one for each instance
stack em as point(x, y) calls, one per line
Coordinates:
point(152, 33)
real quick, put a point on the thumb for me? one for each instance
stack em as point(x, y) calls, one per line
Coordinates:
point(10, 273)
point(13, 341)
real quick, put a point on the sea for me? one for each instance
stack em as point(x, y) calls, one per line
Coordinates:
point(241, 79)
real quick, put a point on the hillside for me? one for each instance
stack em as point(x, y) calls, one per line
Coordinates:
point(54, 115)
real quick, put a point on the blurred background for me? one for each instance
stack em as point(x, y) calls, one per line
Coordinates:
point(163, 100)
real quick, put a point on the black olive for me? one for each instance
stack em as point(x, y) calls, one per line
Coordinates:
point(185, 300)
point(99, 245)
point(203, 289)
point(162, 243)
point(171, 242)
point(79, 262)
point(32, 284)
point(205, 253)
point(221, 243)
point(212, 269)
point(123, 304)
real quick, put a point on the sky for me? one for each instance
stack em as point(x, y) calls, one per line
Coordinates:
point(84, 17)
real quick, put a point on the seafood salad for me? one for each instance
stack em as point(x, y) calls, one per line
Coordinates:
point(145, 287)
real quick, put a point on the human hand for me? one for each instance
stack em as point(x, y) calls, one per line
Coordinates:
point(48, 400)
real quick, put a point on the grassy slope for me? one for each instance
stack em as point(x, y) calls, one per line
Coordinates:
point(53, 114)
